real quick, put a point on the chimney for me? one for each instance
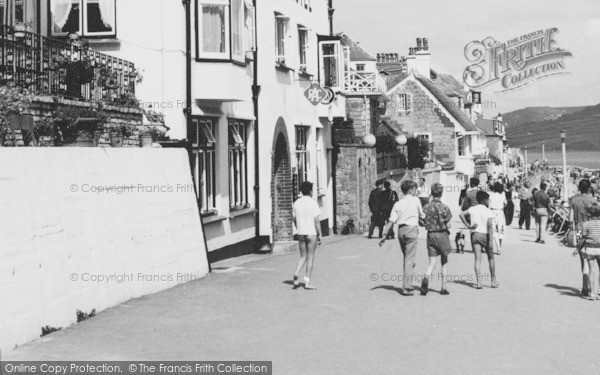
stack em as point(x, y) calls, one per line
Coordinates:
point(420, 59)
point(499, 118)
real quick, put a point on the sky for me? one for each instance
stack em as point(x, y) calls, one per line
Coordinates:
point(393, 26)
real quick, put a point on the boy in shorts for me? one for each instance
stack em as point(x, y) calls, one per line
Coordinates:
point(437, 223)
point(479, 216)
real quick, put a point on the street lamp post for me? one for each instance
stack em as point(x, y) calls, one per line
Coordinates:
point(563, 137)
point(526, 164)
point(543, 151)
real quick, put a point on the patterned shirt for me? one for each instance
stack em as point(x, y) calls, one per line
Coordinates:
point(437, 215)
point(591, 233)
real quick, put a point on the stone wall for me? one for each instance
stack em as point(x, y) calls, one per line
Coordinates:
point(425, 116)
point(67, 246)
point(356, 173)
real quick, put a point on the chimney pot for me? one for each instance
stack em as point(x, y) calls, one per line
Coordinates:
point(411, 51)
point(425, 44)
point(419, 44)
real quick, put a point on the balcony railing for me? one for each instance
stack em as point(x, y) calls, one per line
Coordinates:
point(363, 82)
point(41, 64)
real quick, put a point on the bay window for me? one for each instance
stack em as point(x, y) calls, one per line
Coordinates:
point(238, 164)
point(89, 18)
point(224, 29)
point(201, 136)
point(213, 32)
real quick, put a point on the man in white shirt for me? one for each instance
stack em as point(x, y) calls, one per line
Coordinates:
point(479, 220)
point(306, 214)
point(406, 214)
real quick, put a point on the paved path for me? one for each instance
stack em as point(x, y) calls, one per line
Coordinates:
point(357, 322)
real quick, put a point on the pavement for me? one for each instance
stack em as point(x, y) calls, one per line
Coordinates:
point(357, 322)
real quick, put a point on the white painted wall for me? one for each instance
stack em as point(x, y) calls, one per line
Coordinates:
point(282, 94)
point(50, 232)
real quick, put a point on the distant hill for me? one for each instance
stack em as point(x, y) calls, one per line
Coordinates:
point(582, 125)
point(536, 114)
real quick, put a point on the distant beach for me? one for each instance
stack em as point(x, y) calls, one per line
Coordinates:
point(589, 159)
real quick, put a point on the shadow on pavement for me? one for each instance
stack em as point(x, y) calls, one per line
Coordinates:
point(389, 287)
point(465, 283)
point(291, 283)
point(565, 290)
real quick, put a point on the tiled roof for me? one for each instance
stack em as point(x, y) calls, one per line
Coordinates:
point(395, 79)
point(486, 125)
point(439, 90)
point(357, 53)
point(454, 88)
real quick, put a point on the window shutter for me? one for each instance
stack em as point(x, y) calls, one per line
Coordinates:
point(237, 30)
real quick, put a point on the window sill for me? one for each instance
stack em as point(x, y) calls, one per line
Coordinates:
point(104, 42)
point(283, 67)
point(213, 219)
point(241, 212)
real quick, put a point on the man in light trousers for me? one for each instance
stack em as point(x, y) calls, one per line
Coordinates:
point(406, 214)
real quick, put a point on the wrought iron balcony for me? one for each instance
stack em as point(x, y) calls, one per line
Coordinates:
point(48, 66)
point(359, 82)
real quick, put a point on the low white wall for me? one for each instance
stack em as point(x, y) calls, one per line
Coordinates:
point(57, 236)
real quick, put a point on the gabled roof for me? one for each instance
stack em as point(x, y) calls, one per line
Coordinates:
point(395, 79)
point(357, 53)
point(439, 91)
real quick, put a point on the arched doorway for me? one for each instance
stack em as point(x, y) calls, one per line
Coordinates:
point(281, 187)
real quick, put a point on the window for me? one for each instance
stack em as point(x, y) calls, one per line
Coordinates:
point(303, 47)
point(212, 28)
point(360, 67)
point(238, 164)
point(320, 159)
point(331, 66)
point(302, 153)
point(248, 27)
point(89, 18)
point(237, 30)
point(281, 35)
point(404, 103)
point(428, 137)
point(201, 135)
point(476, 97)
point(18, 12)
point(464, 146)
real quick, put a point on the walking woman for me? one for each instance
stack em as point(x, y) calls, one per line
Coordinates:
point(541, 204)
point(306, 214)
point(589, 248)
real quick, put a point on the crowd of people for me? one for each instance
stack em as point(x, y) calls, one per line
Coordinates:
point(486, 210)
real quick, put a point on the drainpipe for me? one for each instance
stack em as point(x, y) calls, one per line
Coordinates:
point(331, 11)
point(255, 95)
point(188, 103)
